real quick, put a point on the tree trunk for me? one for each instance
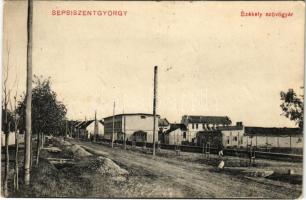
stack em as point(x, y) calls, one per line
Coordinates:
point(16, 174)
point(7, 162)
point(37, 148)
point(42, 139)
point(27, 156)
point(31, 153)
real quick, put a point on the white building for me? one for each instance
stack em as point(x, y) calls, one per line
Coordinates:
point(268, 137)
point(176, 134)
point(86, 128)
point(132, 127)
point(228, 136)
point(196, 124)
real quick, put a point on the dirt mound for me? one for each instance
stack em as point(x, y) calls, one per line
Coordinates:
point(106, 166)
point(65, 143)
point(77, 150)
point(74, 149)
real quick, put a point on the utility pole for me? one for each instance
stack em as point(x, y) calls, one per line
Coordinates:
point(96, 128)
point(28, 119)
point(124, 132)
point(154, 106)
point(113, 133)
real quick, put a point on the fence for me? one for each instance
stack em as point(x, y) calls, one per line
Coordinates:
point(243, 152)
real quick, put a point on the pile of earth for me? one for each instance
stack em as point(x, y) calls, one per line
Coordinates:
point(88, 163)
point(74, 149)
point(77, 150)
point(103, 166)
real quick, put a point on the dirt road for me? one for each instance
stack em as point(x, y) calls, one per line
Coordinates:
point(169, 178)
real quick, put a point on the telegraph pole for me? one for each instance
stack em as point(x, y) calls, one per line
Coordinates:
point(113, 133)
point(28, 112)
point(124, 133)
point(154, 106)
point(96, 127)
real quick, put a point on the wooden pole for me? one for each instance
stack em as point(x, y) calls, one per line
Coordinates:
point(154, 106)
point(124, 129)
point(113, 133)
point(28, 119)
point(96, 128)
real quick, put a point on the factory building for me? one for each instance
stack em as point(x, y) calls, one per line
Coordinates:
point(132, 126)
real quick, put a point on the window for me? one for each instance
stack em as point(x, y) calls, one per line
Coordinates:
point(184, 135)
point(142, 117)
point(235, 139)
point(192, 126)
point(197, 126)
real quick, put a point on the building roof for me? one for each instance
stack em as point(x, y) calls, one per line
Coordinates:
point(163, 122)
point(222, 128)
point(78, 124)
point(208, 119)
point(273, 131)
point(132, 114)
point(229, 128)
point(174, 127)
point(73, 122)
point(84, 124)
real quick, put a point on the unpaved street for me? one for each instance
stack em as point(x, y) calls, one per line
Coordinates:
point(170, 177)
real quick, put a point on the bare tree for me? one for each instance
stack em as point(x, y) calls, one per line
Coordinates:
point(28, 138)
point(6, 122)
point(16, 123)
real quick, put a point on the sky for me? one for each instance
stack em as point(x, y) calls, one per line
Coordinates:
point(211, 61)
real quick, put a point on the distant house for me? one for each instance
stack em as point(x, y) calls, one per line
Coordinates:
point(72, 127)
point(274, 137)
point(85, 129)
point(132, 127)
point(227, 136)
point(79, 130)
point(196, 124)
point(91, 128)
point(176, 134)
point(163, 126)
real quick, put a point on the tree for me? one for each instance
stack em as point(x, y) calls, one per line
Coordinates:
point(6, 120)
point(48, 114)
point(293, 106)
point(28, 120)
point(16, 122)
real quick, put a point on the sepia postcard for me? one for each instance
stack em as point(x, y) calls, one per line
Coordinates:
point(152, 99)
